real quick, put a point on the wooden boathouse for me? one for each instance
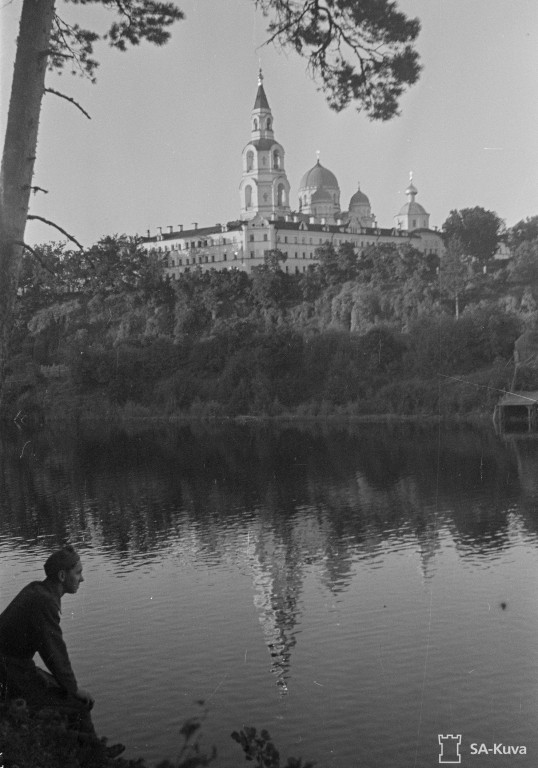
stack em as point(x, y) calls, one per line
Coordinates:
point(518, 410)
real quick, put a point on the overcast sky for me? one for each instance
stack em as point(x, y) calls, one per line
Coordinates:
point(168, 125)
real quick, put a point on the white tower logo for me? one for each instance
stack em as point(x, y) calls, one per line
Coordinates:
point(449, 749)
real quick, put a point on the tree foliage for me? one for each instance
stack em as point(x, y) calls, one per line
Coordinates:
point(454, 272)
point(478, 231)
point(522, 232)
point(523, 266)
point(358, 333)
point(360, 50)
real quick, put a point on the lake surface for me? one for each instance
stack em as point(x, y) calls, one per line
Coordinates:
point(356, 591)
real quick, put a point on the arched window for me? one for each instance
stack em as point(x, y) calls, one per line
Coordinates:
point(276, 159)
point(281, 195)
point(250, 160)
point(248, 196)
point(268, 123)
point(255, 124)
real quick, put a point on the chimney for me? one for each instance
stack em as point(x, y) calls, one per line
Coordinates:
point(159, 233)
point(180, 226)
point(195, 225)
point(170, 229)
point(148, 234)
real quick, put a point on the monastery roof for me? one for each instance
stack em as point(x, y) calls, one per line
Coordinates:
point(197, 232)
point(343, 228)
point(264, 144)
point(412, 208)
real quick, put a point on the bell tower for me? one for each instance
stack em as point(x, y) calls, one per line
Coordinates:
point(264, 187)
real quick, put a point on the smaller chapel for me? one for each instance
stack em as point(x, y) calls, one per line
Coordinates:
point(267, 221)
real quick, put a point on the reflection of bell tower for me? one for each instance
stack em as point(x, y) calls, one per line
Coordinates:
point(277, 583)
point(264, 188)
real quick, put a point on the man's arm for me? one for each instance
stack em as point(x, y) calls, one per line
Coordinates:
point(51, 646)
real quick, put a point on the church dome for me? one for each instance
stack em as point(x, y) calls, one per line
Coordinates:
point(318, 177)
point(412, 215)
point(359, 198)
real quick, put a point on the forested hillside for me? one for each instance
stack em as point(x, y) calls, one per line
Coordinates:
point(103, 333)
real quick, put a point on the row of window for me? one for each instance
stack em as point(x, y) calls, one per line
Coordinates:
point(210, 258)
point(188, 245)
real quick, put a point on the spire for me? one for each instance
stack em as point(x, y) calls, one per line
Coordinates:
point(261, 99)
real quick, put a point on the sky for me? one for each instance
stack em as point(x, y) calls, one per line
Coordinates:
point(168, 125)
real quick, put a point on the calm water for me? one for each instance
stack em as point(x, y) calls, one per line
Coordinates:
point(355, 591)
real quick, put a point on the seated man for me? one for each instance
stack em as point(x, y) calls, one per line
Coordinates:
point(31, 624)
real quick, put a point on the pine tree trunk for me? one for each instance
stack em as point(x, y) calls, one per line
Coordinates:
point(19, 154)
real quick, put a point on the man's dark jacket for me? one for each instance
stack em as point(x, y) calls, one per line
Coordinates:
point(31, 624)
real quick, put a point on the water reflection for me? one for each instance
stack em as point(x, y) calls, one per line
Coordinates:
point(359, 485)
point(306, 516)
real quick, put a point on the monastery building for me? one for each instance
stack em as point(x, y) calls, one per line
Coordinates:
point(267, 222)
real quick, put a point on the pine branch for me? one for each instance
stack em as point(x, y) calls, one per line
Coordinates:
point(67, 98)
point(52, 224)
point(36, 189)
point(36, 256)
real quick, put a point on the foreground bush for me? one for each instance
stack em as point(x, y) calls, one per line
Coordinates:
point(42, 740)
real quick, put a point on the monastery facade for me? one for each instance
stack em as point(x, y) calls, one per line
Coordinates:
point(267, 221)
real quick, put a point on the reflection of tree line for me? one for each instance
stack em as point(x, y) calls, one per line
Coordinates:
point(358, 483)
point(300, 496)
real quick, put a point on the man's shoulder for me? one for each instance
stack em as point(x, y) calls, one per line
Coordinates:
point(37, 592)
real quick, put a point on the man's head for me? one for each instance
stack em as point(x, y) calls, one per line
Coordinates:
point(64, 568)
